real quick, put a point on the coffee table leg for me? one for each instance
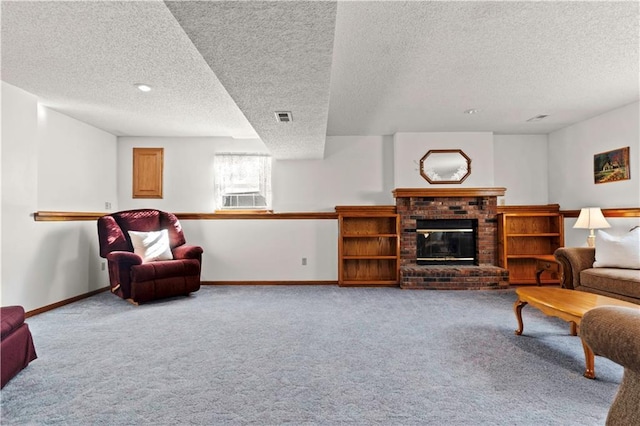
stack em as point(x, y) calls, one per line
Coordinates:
point(517, 308)
point(589, 371)
point(573, 328)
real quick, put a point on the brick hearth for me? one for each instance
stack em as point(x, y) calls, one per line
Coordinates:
point(450, 203)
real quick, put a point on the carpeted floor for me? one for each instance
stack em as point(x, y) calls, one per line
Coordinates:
point(307, 355)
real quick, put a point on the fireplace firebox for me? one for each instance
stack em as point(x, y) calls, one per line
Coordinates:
point(446, 241)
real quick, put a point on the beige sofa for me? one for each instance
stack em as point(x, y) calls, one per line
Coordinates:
point(612, 332)
point(579, 274)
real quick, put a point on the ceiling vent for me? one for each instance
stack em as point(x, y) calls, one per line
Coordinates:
point(284, 116)
point(538, 117)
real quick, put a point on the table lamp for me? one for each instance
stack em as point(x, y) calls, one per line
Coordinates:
point(591, 218)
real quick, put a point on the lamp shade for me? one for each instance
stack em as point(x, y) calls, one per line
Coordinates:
point(591, 218)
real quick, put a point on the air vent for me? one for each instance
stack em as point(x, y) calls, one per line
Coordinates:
point(284, 116)
point(538, 117)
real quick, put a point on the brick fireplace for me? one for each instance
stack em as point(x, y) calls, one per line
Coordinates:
point(413, 204)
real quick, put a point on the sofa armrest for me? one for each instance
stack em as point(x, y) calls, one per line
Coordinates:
point(187, 252)
point(612, 332)
point(120, 263)
point(12, 318)
point(124, 258)
point(573, 261)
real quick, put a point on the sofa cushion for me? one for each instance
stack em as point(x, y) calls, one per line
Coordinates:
point(618, 251)
point(165, 269)
point(612, 280)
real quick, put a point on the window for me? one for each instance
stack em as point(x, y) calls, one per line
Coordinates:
point(242, 181)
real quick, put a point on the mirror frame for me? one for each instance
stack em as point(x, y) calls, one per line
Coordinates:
point(445, 151)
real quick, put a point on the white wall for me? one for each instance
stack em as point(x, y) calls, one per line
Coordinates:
point(19, 190)
point(356, 170)
point(571, 152)
point(234, 250)
point(265, 250)
point(409, 148)
point(46, 262)
point(76, 164)
point(520, 165)
point(188, 171)
point(57, 163)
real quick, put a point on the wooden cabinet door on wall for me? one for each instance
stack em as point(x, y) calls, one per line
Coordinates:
point(147, 172)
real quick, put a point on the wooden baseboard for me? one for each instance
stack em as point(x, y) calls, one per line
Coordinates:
point(269, 282)
point(92, 293)
point(64, 302)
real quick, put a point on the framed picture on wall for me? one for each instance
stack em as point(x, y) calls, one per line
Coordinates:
point(611, 166)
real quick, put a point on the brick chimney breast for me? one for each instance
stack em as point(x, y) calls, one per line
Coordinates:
point(450, 203)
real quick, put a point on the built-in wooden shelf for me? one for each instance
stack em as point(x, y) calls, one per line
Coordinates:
point(370, 236)
point(368, 246)
point(525, 234)
point(368, 257)
point(541, 234)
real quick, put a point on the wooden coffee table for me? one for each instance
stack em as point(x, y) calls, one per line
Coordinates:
point(569, 305)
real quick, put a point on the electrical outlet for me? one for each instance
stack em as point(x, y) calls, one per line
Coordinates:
point(103, 266)
point(304, 261)
point(107, 205)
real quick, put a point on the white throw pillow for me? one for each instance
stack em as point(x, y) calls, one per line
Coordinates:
point(618, 251)
point(151, 246)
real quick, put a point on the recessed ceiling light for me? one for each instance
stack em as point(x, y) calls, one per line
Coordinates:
point(143, 87)
point(472, 111)
point(538, 117)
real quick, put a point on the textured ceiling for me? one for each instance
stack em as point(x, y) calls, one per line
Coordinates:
point(416, 67)
point(270, 56)
point(342, 68)
point(83, 58)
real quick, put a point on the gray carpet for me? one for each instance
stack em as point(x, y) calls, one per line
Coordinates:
point(307, 355)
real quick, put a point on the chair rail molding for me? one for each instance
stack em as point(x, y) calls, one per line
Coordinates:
point(55, 216)
point(59, 216)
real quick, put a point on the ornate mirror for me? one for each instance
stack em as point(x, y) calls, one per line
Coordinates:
point(445, 166)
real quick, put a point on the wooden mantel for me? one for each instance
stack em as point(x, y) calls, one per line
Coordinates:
point(448, 192)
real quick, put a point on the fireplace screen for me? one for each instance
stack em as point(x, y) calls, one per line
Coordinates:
point(446, 242)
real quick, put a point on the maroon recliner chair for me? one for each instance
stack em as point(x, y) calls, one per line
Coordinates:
point(139, 281)
point(16, 344)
